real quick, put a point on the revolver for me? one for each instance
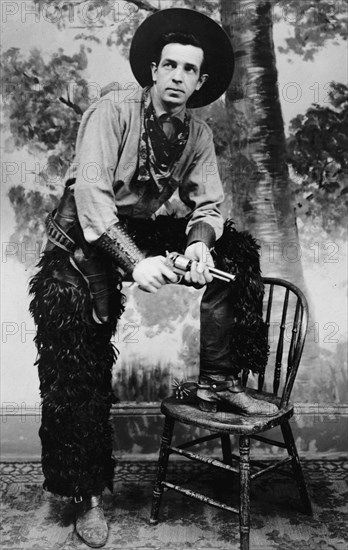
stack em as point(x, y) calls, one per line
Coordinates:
point(180, 264)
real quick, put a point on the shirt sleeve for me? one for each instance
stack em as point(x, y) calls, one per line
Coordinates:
point(202, 191)
point(97, 147)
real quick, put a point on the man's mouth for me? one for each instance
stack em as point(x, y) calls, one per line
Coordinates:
point(175, 90)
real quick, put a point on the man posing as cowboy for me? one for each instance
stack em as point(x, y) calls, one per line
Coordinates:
point(132, 157)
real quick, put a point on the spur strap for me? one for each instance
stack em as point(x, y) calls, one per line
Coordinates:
point(88, 503)
point(182, 389)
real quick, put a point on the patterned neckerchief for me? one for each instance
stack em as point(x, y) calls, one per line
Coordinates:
point(157, 154)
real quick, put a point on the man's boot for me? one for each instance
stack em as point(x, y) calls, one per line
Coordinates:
point(226, 393)
point(91, 525)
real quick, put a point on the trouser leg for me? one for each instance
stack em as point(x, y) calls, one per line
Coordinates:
point(217, 320)
point(75, 359)
point(233, 334)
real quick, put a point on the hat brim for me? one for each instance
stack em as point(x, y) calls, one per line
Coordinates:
point(217, 46)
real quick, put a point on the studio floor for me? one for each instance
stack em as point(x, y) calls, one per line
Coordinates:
point(32, 519)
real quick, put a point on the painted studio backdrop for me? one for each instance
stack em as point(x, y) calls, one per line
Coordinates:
point(281, 139)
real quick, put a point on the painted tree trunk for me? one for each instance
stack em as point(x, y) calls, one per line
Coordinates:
point(261, 196)
point(261, 199)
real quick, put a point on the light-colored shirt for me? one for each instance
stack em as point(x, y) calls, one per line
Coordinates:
point(106, 160)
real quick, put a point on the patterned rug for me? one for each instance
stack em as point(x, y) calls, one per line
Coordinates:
point(35, 520)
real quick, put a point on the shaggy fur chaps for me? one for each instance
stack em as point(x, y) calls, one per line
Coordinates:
point(75, 359)
point(75, 356)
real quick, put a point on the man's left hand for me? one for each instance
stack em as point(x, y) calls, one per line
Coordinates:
point(199, 274)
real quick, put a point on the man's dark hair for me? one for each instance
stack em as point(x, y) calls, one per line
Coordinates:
point(178, 38)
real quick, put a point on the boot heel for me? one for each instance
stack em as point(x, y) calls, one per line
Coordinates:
point(208, 406)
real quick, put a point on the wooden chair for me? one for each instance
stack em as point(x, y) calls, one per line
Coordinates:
point(281, 298)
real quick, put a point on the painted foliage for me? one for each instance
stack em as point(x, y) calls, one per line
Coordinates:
point(286, 185)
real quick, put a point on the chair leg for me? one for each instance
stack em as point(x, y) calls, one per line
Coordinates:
point(226, 449)
point(161, 468)
point(244, 491)
point(296, 466)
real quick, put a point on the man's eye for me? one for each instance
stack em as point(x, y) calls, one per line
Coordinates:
point(168, 64)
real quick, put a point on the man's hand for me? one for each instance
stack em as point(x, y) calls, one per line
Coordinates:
point(152, 273)
point(199, 274)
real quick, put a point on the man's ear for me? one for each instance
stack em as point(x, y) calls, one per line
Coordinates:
point(154, 71)
point(202, 79)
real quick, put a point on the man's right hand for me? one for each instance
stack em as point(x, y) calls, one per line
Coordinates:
point(152, 273)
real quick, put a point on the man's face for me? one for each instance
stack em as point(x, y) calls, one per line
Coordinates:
point(177, 75)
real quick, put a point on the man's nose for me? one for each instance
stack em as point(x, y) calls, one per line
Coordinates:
point(177, 75)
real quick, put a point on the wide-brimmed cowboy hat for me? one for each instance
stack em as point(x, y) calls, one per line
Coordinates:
point(215, 42)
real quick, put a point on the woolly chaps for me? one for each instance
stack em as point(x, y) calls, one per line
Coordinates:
point(75, 355)
point(75, 359)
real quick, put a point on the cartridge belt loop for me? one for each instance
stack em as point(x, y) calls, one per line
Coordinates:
point(57, 236)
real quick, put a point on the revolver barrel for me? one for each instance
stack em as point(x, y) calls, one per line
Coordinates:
point(218, 274)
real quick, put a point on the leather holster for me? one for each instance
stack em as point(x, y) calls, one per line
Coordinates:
point(64, 232)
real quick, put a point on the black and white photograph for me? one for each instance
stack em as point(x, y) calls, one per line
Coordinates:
point(174, 192)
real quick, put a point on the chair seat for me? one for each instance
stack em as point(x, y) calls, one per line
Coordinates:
point(187, 411)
